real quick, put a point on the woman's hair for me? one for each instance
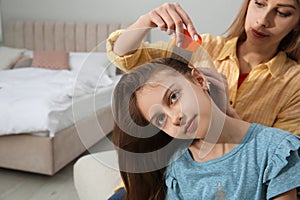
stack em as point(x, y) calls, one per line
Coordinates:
point(290, 43)
point(143, 150)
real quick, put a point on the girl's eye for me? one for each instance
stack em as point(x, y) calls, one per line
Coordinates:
point(174, 97)
point(160, 120)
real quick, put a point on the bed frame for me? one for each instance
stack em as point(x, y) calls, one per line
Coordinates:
point(47, 155)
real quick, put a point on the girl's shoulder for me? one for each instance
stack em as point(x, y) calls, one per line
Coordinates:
point(271, 134)
point(278, 143)
point(282, 160)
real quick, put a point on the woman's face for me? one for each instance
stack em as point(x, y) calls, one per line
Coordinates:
point(179, 107)
point(269, 21)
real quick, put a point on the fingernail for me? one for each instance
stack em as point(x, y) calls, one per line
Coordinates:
point(179, 44)
point(196, 38)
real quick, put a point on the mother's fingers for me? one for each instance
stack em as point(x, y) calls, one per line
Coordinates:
point(164, 13)
point(171, 17)
point(216, 78)
point(178, 23)
point(157, 20)
point(186, 20)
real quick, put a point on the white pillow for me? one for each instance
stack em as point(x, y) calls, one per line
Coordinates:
point(28, 53)
point(88, 80)
point(90, 60)
point(9, 56)
point(91, 71)
point(86, 84)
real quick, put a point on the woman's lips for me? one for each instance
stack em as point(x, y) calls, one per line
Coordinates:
point(191, 125)
point(258, 34)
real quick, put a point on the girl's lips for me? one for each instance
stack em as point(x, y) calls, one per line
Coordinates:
point(258, 34)
point(191, 125)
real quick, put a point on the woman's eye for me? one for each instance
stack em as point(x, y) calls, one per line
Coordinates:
point(174, 97)
point(160, 121)
point(282, 14)
point(259, 4)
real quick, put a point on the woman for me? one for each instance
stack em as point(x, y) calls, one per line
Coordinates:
point(214, 155)
point(258, 56)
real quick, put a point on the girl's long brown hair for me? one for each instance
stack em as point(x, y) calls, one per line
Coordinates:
point(132, 133)
point(144, 176)
point(290, 44)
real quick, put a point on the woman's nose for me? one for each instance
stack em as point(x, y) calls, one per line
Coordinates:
point(263, 20)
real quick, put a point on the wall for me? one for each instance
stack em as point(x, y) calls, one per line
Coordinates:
point(212, 16)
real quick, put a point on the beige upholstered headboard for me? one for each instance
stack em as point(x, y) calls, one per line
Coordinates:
point(58, 36)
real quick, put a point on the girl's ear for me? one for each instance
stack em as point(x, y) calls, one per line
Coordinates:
point(200, 79)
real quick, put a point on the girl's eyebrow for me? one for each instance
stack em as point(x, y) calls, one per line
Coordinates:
point(165, 98)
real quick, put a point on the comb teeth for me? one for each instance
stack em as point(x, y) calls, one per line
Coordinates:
point(188, 43)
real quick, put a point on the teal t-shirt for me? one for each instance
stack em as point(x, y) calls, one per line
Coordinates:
point(265, 164)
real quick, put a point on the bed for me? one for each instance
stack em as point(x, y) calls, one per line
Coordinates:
point(46, 151)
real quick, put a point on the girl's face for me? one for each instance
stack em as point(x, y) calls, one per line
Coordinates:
point(269, 21)
point(179, 107)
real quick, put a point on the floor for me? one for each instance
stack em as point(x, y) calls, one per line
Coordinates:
point(16, 185)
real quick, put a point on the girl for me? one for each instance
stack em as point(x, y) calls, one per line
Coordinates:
point(213, 156)
point(258, 56)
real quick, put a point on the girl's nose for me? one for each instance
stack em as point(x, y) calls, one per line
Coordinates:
point(178, 119)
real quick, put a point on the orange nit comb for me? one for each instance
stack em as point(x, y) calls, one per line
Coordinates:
point(188, 42)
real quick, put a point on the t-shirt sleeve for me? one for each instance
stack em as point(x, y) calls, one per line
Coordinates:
point(173, 190)
point(289, 116)
point(283, 172)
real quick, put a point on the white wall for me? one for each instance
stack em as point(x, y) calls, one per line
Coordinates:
point(212, 16)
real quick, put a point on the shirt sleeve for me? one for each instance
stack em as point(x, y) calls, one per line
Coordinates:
point(289, 117)
point(146, 52)
point(173, 190)
point(283, 174)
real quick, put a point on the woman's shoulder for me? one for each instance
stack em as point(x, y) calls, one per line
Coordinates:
point(294, 70)
point(214, 45)
point(292, 76)
point(284, 65)
point(207, 37)
point(209, 40)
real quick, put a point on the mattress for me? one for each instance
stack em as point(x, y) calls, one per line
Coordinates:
point(86, 106)
point(46, 101)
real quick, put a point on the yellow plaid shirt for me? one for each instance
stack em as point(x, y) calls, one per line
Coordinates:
point(270, 95)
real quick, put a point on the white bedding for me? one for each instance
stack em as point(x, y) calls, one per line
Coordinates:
point(34, 100)
point(86, 105)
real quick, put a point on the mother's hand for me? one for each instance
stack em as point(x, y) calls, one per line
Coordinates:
point(171, 18)
point(219, 90)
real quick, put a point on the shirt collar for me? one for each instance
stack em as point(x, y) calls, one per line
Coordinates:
point(277, 65)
